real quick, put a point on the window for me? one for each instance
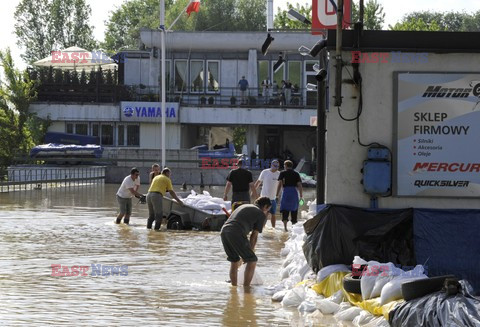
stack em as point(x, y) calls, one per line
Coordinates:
point(197, 76)
point(311, 96)
point(106, 134)
point(295, 75)
point(263, 72)
point(121, 135)
point(180, 81)
point(69, 128)
point(277, 79)
point(213, 69)
point(95, 130)
point(133, 135)
point(81, 128)
point(168, 81)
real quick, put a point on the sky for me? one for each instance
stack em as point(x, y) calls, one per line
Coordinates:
point(394, 11)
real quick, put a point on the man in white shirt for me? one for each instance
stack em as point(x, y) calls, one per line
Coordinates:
point(269, 180)
point(125, 193)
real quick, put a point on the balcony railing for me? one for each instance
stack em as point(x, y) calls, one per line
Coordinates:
point(226, 96)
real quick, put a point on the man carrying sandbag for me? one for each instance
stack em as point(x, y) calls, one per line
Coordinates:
point(247, 218)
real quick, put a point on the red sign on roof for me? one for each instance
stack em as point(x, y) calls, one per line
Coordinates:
point(324, 14)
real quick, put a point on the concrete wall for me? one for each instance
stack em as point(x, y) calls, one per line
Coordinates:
point(151, 136)
point(137, 71)
point(246, 116)
point(77, 112)
point(345, 156)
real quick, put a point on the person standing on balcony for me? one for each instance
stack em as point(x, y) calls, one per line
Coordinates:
point(269, 180)
point(125, 193)
point(240, 180)
point(291, 182)
point(160, 185)
point(266, 89)
point(243, 85)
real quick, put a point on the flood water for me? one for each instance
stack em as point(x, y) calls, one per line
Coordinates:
point(174, 278)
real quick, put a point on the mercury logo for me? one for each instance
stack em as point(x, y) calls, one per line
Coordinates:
point(128, 111)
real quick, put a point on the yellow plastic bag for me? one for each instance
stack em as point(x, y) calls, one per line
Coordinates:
point(330, 285)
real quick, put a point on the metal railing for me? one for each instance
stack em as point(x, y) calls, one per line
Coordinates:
point(225, 96)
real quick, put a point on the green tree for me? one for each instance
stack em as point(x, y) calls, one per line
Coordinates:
point(19, 130)
point(124, 25)
point(439, 21)
point(373, 15)
point(282, 21)
point(43, 26)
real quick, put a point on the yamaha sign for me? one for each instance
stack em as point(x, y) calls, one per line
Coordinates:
point(150, 112)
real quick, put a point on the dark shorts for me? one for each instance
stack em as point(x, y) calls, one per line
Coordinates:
point(241, 196)
point(236, 244)
point(125, 205)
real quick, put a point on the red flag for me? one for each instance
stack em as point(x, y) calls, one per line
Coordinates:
point(193, 6)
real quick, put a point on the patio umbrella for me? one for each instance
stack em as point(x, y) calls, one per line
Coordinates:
point(76, 58)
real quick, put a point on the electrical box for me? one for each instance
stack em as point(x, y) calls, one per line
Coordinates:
point(377, 177)
point(377, 172)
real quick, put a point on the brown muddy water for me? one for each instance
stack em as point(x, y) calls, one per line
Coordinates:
point(173, 278)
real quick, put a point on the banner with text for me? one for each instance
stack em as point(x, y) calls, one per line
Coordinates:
point(438, 133)
point(149, 112)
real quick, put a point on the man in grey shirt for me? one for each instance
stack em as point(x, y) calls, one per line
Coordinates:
point(247, 218)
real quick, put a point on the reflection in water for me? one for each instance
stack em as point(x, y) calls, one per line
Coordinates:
point(174, 278)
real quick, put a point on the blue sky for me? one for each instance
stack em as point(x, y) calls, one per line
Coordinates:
point(394, 11)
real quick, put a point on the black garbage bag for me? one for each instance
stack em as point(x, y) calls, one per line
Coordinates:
point(439, 309)
point(338, 233)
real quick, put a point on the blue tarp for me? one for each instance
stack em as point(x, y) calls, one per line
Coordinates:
point(447, 241)
point(65, 138)
point(66, 150)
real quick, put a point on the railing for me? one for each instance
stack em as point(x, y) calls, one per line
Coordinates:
point(226, 96)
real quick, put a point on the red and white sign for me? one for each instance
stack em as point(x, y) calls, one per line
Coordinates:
point(313, 120)
point(324, 15)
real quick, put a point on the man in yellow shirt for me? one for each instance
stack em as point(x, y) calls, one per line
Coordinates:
point(160, 185)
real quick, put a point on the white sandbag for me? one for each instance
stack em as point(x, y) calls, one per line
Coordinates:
point(278, 297)
point(288, 260)
point(326, 271)
point(363, 318)
point(337, 297)
point(284, 252)
point(327, 306)
point(377, 322)
point(256, 280)
point(358, 261)
point(367, 282)
point(393, 290)
point(347, 314)
point(307, 306)
point(315, 316)
point(294, 297)
point(206, 193)
point(304, 270)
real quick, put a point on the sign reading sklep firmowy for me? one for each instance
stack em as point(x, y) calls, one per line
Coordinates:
point(150, 112)
point(438, 133)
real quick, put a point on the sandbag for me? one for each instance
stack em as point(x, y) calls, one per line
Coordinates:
point(326, 271)
point(294, 297)
point(256, 280)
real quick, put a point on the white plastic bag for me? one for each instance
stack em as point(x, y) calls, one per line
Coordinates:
point(256, 280)
point(278, 297)
point(363, 318)
point(393, 290)
point(326, 271)
point(294, 297)
point(347, 314)
point(327, 306)
point(307, 306)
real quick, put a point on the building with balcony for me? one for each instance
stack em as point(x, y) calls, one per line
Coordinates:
point(204, 101)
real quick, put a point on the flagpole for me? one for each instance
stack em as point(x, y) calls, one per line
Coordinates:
point(178, 17)
point(163, 106)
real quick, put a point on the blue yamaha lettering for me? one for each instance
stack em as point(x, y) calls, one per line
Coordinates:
point(154, 112)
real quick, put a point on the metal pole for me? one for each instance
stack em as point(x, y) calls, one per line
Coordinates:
point(162, 32)
point(338, 55)
point(321, 134)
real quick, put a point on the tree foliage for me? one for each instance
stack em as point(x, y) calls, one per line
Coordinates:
point(125, 23)
point(46, 25)
point(439, 21)
point(373, 15)
point(282, 21)
point(19, 130)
